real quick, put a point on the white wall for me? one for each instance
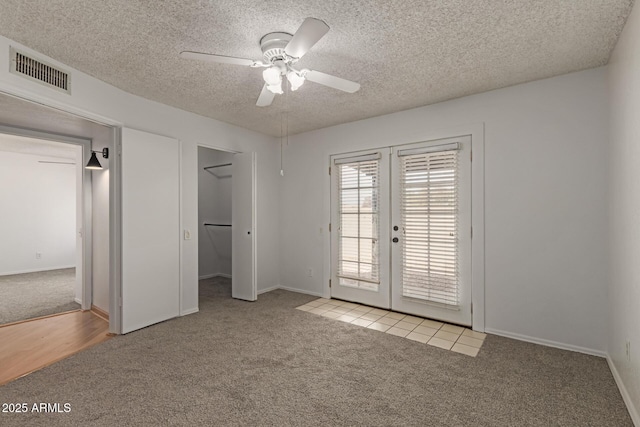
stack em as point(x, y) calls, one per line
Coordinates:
point(38, 211)
point(98, 99)
point(100, 225)
point(214, 206)
point(624, 211)
point(545, 202)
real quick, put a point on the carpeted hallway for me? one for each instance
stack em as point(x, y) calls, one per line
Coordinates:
point(265, 363)
point(29, 295)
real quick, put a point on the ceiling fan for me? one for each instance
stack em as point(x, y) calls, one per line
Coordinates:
point(280, 51)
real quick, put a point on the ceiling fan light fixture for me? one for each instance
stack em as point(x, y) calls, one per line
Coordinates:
point(277, 88)
point(280, 51)
point(295, 80)
point(272, 76)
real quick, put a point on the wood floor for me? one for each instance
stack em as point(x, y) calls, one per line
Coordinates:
point(28, 346)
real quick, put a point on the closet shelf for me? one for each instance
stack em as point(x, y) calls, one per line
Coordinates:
point(216, 225)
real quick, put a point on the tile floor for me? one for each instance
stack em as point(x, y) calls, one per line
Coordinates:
point(438, 334)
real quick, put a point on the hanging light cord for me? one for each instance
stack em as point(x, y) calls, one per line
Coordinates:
point(281, 141)
point(284, 117)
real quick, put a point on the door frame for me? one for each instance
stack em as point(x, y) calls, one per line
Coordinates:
point(84, 199)
point(115, 229)
point(476, 132)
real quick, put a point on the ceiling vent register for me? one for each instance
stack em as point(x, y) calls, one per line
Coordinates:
point(39, 71)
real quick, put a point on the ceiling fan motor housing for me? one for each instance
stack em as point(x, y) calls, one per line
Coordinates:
point(273, 45)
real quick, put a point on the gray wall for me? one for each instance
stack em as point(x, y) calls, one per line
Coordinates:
point(624, 213)
point(545, 202)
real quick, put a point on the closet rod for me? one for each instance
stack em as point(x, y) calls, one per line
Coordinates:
point(218, 225)
point(218, 166)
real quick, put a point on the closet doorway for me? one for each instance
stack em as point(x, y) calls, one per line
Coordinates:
point(226, 224)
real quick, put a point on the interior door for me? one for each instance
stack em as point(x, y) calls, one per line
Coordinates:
point(243, 227)
point(360, 227)
point(150, 229)
point(431, 229)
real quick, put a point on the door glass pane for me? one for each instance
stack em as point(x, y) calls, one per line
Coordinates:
point(349, 249)
point(358, 206)
point(429, 209)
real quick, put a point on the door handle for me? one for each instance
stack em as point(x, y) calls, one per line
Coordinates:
point(395, 240)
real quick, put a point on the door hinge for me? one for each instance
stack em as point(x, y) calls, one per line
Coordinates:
point(471, 308)
point(120, 301)
point(471, 155)
point(329, 227)
point(329, 282)
point(329, 170)
point(472, 232)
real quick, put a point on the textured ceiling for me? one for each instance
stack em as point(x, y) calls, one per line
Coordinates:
point(404, 53)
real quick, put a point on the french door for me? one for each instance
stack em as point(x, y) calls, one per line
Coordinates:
point(360, 242)
point(402, 237)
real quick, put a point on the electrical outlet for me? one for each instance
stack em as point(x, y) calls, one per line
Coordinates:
point(310, 272)
point(628, 350)
point(38, 255)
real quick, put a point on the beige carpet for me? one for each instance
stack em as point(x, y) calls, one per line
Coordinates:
point(29, 295)
point(265, 363)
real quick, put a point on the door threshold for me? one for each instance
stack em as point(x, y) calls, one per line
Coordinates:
point(39, 318)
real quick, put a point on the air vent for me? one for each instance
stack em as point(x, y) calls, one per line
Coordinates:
point(39, 71)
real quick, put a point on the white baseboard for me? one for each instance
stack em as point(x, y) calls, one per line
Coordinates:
point(37, 270)
point(272, 288)
point(547, 343)
point(633, 411)
point(189, 311)
point(211, 276)
point(302, 291)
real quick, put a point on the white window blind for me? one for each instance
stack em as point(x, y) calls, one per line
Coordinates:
point(358, 230)
point(429, 213)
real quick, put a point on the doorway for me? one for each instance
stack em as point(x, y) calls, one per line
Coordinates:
point(41, 262)
point(226, 224)
point(402, 237)
point(93, 215)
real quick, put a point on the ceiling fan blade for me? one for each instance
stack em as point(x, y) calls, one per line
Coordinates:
point(266, 97)
point(308, 34)
point(217, 58)
point(332, 81)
